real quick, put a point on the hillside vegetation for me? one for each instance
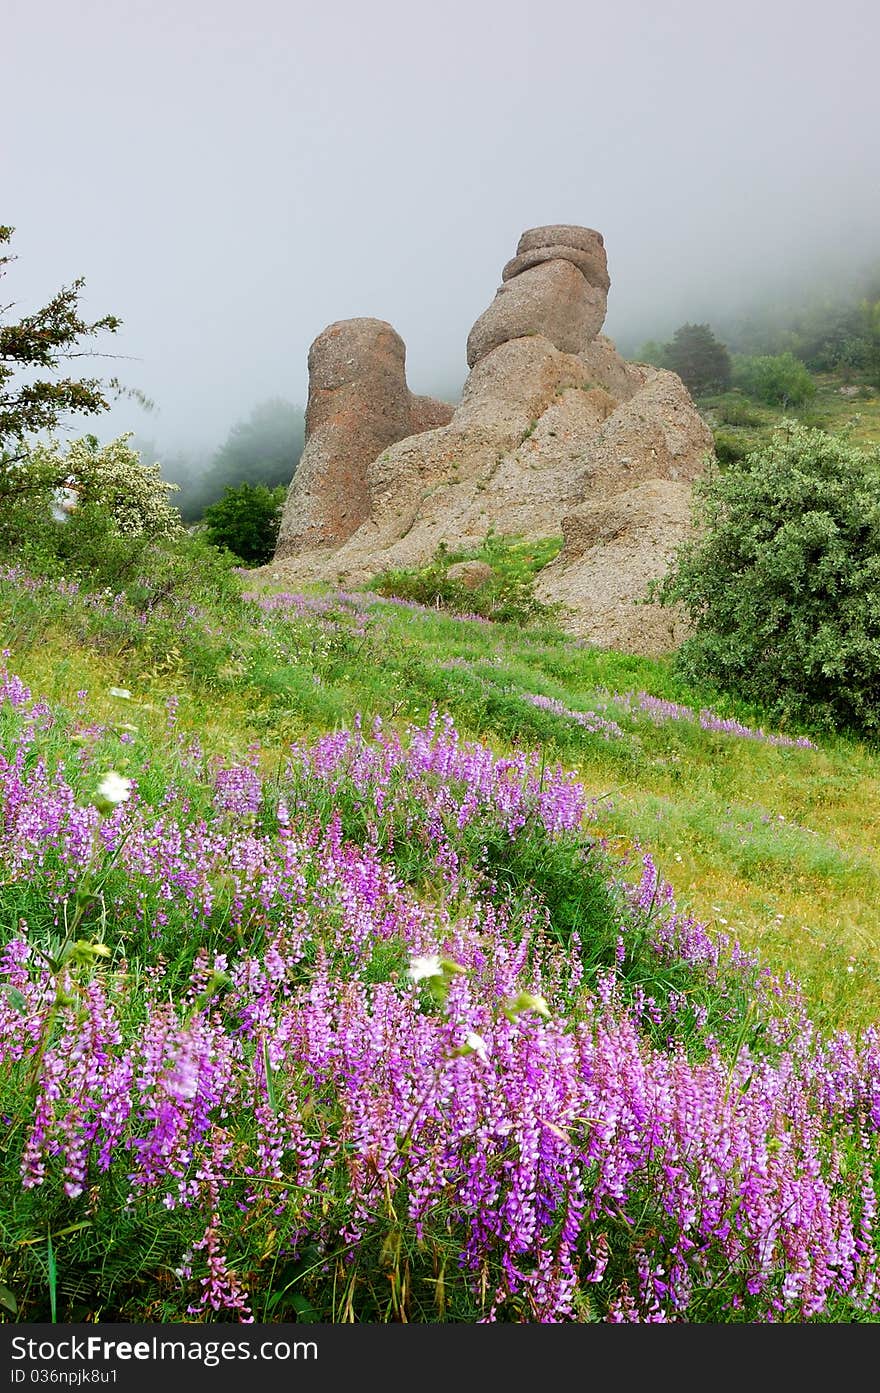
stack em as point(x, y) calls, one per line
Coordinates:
point(392, 956)
point(793, 869)
point(741, 424)
point(426, 968)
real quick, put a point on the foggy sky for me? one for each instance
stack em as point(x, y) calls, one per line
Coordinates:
point(230, 178)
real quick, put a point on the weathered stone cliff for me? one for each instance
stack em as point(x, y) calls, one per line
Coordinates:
point(555, 432)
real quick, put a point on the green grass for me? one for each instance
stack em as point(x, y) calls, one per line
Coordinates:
point(774, 845)
point(748, 424)
point(507, 594)
point(778, 845)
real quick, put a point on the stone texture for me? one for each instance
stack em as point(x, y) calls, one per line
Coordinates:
point(560, 234)
point(591, 264)
point(426, 413)
point(455, 482)
point(554, 432)
point(657, 434)
point(512, 458)
point(607, 369)
point(358, 404)
point(612, 551)
point(470, 574)
point(514, 384)
point(552, 299)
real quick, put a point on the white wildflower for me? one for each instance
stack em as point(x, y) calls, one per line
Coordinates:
point(477, 1045)
point(422, 968)
point(134, 494)
point(114, 788)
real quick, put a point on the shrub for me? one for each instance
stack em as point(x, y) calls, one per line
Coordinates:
point(779, 379)
point(87, 511)
point(733, 411)
point(728, 448)
point(111, 477)
point(246, 520)
point(508, 596)
point(700, 359)
point(783, 584)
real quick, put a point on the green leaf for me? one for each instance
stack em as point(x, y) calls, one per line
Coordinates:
point(53, 1277)
point(270, 1077)
point(16, 999)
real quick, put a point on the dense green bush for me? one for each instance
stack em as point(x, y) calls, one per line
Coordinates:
point(729, 449)
point(86, 511)
point(782, 584)
point(245, 521)
point(779, 379)
point(735, 411)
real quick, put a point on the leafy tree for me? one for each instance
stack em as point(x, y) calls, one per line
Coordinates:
point(263, 450)
point(39, 344)
point(701, 361)
point(782, 583)
point(99, 525)
point(246, 520)
point(779, 379)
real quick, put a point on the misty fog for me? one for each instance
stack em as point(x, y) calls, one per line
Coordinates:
point(231, 179)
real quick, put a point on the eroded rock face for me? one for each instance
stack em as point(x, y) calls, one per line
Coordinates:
point(426, 413)
point(553, 299)
point(584, 239)
point(606, 367)
point(555, 432)
point(657, 434)
point(359, 403)
point(612, 550)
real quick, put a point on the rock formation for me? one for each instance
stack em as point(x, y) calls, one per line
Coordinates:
point(612, 550)
point(358, 404)
point(555, 432)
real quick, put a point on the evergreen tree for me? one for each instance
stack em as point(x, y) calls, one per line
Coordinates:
point(701, 361)
point(263, 450)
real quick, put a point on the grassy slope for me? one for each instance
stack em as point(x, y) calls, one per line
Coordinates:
point(780, 845)
point(829, 409)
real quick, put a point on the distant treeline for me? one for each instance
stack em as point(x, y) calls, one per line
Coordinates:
point(264, 449)
point(828, 328)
